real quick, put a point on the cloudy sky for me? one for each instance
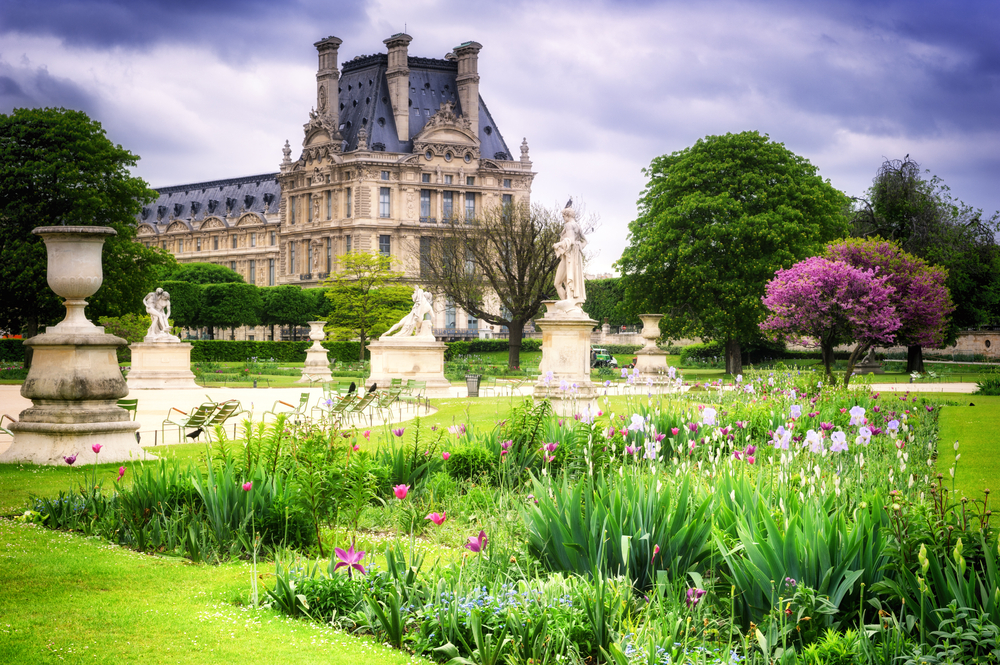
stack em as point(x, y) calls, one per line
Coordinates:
point(208, 89)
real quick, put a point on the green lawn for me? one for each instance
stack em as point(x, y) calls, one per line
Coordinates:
point(67, 598)
point(975, 428)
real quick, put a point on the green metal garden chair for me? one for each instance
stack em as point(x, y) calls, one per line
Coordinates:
point(196, 420)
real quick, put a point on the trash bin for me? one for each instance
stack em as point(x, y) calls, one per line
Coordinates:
point(472, 382)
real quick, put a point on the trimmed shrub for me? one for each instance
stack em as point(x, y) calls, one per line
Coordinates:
point(469, 462)
point(230, 351)
point(12, 350)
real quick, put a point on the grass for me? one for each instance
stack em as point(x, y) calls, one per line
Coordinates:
point(73, 599)
point(975, 428)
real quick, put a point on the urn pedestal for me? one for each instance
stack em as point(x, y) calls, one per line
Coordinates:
point(317, 367)
point(420, 358)
point(651, 359)
point(565, 367)
point(160, 366)
point(74, 381)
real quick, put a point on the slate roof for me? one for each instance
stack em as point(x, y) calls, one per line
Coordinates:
point(364, 102)
point(216, 198)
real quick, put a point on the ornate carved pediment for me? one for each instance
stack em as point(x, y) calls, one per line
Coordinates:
point(445, 131)
point(250, 219)
point(146, 230)
point(178, 227)
point(319, 131)
point(212, 223)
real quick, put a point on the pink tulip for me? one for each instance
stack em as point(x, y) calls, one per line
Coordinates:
point(438, 518)
point(356, 447)
point(445, 455)
point(121, 472)
point(96, 448)
point(367, 434)
point(400, 491)
point(247, 486)
point(477, 543)
point(70, 459)
point(656, 550)
point(674, 431)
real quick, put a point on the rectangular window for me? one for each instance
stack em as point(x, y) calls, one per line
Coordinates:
point(291, 209)
point(425, 205)
point(274, 237)
point(508, 199)
point(425, 177)
point(449, 205)
point(347, 202)
point(447, 180)
point(309, 208)
point(329, 255)
point(232, 266)
point(425, 257)
point(385, 175)
point(309, 256)
point(197, 244)
point(180, 246)
point(235, 242)
point(470, 206)
point(449, 314)
point(473, 323)
point(385, 245)
point(329, 205)
point(347, 244)
point(252, 274)
point(291, 258)
point(383, 202)
point(215, 242)
point(270, 272)
point(470, 180)
point(253, 239)
point(506, 183)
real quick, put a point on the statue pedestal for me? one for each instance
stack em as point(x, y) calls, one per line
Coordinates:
point(869, 368)
point(74, 384)
point(565, 368)
point(161, 365)
point(317, 367)
point(420, 358)
point(651, 359)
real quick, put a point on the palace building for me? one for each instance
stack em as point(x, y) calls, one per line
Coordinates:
point(395, 146)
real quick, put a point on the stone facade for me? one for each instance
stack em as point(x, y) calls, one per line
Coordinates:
point(395, 146)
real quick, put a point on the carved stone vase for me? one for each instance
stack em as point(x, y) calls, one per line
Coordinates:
point(317, 367)
point(74, 381)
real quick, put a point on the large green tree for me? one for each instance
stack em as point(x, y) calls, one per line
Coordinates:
point(920, 214)
point(363, 302)
point(57, 167)
point(286, 305)
point(716, 221)
point(229, 305)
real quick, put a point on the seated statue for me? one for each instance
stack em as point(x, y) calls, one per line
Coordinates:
point(158, 306)
point(413, 322)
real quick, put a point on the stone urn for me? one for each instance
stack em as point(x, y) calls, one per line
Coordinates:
point(74, 270)
point(317, 367)
point(650, 359)
point(74, 381)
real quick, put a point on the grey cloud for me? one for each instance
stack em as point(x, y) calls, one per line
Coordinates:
point(25, 86)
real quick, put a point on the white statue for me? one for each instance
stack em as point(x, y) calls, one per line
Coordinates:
point(414, 321)
point(158, 306)
point(569, 249)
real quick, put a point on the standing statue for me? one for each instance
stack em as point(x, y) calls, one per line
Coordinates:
point(569, 275)
point(414, 321)
point(158, 306)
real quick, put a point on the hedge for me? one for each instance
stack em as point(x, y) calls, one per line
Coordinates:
point(12, 350)
point(218, 350)
point(754, 353)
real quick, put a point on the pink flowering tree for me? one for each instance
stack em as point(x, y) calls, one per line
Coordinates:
point(819, 302)
point(922, 299)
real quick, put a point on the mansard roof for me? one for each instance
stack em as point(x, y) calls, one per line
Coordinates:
point(364, 102)
point(217, 198)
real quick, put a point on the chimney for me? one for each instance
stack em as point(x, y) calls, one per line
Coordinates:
point(467, 81)
point(327, 82)
point(398, 76)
